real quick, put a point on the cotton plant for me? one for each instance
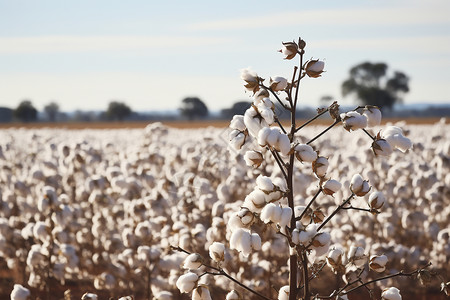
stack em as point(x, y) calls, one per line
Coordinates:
point(271, 206)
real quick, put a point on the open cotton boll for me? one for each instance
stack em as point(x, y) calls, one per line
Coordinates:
point(262, 136)
point(356, 256)
point(238, 123)
point(255, 201)
point(233, 295)
point(201, 293)
point(391, 293)
point(359, 186)
point(283, 144)
point(256, 241)
point(268, 212)
point(353, 120)
point(273, 136)
point(278, 83)
point(331, 186)
point(20, 293)
point(253, 158)
point(305, 153)
point(286, 216)
point(264, 183)
point(89, 296)
point(187, 282)
point(193, 261)
point(381, 147)
point(378, 263)
point(376, 200)
point(283, 293)
point(373, 115)
point(320, 166)
point(217, 251)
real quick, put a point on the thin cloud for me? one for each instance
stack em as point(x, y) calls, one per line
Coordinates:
point(384, 16)
point(68, 44)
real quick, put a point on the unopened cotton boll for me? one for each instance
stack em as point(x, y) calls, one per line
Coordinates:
point(193, 261)
point(353, 120)
point(305, 153)
point(217, 251)
point(187, 282)
point(201, 293)
point(391, 293)
point(331, 186)
point(278, 83)
point(378, 263)
point(20, 293)
point(373, 115)
point(283, 293)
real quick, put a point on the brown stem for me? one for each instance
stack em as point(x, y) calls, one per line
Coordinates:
point(311, 120)
point(221, 272)
point(335, 211)
point(309, 204)
point(323, 132)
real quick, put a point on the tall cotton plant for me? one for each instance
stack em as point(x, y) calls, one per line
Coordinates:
point(272, 209)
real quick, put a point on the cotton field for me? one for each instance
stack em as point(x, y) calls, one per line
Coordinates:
point(108, 213)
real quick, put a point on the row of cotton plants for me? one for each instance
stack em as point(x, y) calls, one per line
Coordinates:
point(108, 205)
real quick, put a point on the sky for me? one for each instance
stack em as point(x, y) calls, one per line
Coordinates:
point(152, 54)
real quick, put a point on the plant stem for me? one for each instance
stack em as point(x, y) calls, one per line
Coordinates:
point(372, 137)
point(306, 295)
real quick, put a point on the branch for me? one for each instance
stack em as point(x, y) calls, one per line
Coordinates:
point(323, 132)
point(221, 272)
point(309, 204)
point(279, 161)
point(311, 120)
point(335, 212)
point(372, 137)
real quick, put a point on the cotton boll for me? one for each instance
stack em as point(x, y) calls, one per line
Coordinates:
point(305, 153)
point(283, 293)
point(201, 293)
point(262, 136)
point(283, 144)
point(378, 263)
point(264, 183)
point(256, 241)
point(238, 123)
point(359, 186)
point(278, 83)
point(193, 261)
point(273, 137)
point(268, 212)
point(391, 293)
point(373, 115)
point(217, 251)
point(376, 200)
point(286, 216)
point(233, 295)
point(187, 282)
point(331, 186)
point(353, 120)
point(20, 293)
point(253, 158)
point(89, 296)
point(320, 166)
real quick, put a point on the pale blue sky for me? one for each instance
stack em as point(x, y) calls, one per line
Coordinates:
point(151, 54)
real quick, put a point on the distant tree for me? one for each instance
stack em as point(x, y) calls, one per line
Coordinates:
point(6, 114)
point(372, 87)
point(193, 107)
point(51, 110)
point(326, 100)
point(26, 112)
point(238, 108)
point(117, 111)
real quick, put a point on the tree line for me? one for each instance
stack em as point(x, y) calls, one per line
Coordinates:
point(368, 82)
